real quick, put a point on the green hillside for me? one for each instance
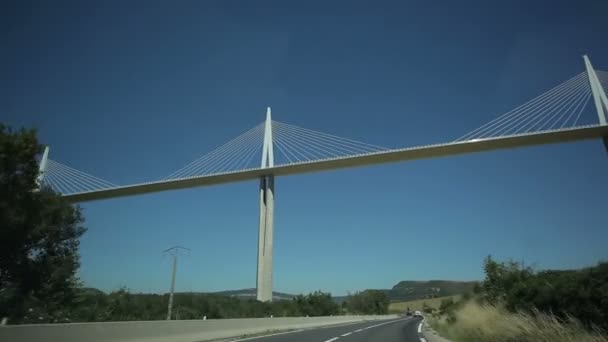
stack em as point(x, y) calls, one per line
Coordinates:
point(409, 290)
point(251, 293)
point(412, 290)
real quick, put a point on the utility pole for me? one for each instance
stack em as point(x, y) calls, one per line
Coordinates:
point(173, 251)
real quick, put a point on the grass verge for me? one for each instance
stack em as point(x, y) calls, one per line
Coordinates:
point(475, 322)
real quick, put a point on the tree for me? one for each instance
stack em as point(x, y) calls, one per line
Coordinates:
point(316, 304)
point(39, 236)
point(370, 302)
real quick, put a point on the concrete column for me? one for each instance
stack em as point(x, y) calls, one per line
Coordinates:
point(261, 240)
point(42, 168)
point(265, 239)
point(266, 229)
point(599, 97)
point(268, 246)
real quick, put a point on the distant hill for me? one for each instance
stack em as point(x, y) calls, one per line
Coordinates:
point(412, 290)
point(91, 291)
point(403, 291)
point(251, 293)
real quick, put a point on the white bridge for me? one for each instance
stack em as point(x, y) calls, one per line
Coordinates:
point(552, 117)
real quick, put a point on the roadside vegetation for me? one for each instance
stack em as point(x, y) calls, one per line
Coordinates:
point(485, 322)
point(39, 259)
point(368, 302)
point(515, 303)
point(39, 234)
point(425, 305)
point(121, 305)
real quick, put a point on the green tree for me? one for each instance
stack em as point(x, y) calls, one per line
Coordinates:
point(39, 237)
point(369, 302)
point(446, 304)
point(566, 293)
point(316, 304)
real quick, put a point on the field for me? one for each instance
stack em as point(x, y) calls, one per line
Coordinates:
point(400, 307)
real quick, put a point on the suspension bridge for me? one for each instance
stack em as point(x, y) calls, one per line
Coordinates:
point(284, 149)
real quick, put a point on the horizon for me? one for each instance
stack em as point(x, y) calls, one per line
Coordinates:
point(130, 93)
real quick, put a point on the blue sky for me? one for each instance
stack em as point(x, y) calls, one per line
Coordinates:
point(133, 91)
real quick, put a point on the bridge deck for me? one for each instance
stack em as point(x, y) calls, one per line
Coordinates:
point(404, 154)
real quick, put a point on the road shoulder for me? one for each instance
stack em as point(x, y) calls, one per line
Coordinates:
point(431, 335)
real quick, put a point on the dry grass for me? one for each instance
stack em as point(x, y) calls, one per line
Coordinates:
point(476, 322)
point(400, 307)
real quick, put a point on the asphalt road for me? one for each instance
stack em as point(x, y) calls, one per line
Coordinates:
point(394, 330)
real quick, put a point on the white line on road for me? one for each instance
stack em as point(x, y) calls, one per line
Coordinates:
point(420, 327)
point(377, 325)
point(262, 336)
point(299, 330)
point(422, 339)
point(371, 326)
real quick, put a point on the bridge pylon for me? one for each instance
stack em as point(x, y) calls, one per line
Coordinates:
point(599, 96)
point(42, 168)
point(266, 226)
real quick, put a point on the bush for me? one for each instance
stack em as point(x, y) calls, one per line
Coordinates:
point(39, 237)
point(579, 293)
point(368, 302)
point(446, 304)
point(121, 305)
point(427, 308)
point(316, 304)
point(474, 322)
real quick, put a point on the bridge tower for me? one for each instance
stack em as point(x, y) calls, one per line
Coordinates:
point(266, 227)
point(42, 167)
point(599, 97)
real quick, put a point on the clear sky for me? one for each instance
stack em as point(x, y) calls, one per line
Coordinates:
point(131, 91)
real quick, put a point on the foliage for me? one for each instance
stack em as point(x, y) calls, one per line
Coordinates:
point(121, 305)
point(412, 290)
point(474, 322)
point(39, 236)
point(369, 302)
point(316, 304)
point(515, 303)
point(579, 293)
point(413, 305)
point(446, 304)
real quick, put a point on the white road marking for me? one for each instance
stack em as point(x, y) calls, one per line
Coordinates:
point(313, 328)
point(348, 333)
point(275, 334)
point(420, 327)
point(377, 325)
point(295, 331)
point(422, 339)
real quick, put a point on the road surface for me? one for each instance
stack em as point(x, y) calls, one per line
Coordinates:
point(394, 330)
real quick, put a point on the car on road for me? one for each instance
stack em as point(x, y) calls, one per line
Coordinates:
point(417, 313)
